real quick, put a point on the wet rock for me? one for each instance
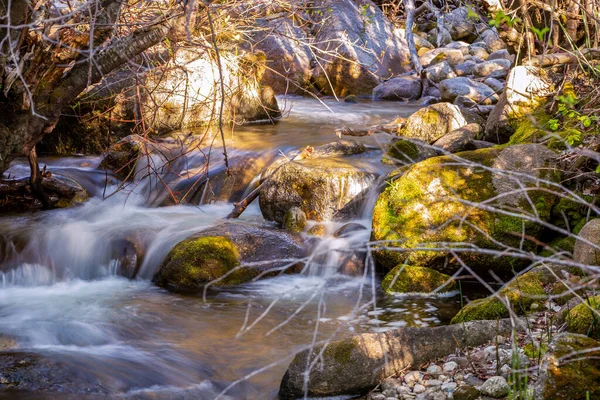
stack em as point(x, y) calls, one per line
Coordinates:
point(348, 229)
point(294, 220)
point(526, 90)
point(317, 230)
point(423, 195)
point(465, 68)
point(461, 86)
point(492, 68)
point(122, 157)
point(495, 387)
point(357, 47)
point(585, 253)
point(60, 191)
point(322, 187)
point(352, 99)
point(466, 392)
point(409, 279)
point(404, 152)
point(218, 254)
point(127, 253)
point(357, 364)
point(400, 88)
point(570, 369)
point(460, 139)
point(492, 40)
point(440, 71)
point(432, 122)
point(451, 56)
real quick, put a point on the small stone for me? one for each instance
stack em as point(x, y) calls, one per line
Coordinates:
point(479, 356)
point(389, 393)
point(391, 398)
point(419, 388)
point(439, 396)
point(465, 393)
point(444, 378)
point(473, 380)
point(412, 378)
point(495, 387)
point(376, 396)
point(433, 383)
point(449, 387)
point(505, 370)
point(434, 369)
point(450, 366)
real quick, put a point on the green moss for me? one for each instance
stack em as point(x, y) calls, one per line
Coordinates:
point(530, 129)
point(581, 319)
point(411, 279)
point(402, 151)
point(341, 352)
point(570, 214)
point(535, 351)
point(197, 261)
point(522, 292)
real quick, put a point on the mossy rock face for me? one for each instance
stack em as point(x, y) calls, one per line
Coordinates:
point(570, 370)
point(432, 122)
point(216, 251)
point(411, 279)
point(403, 152)
point(584, 318)
point(522, 292)
point(433, 202)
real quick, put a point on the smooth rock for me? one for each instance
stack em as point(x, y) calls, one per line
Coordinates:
point(495, 84)
point(432, 122)
point(294, 220)
point(400, 88)
point(492, 40)
point(440, 71)
point(450, 89)
point(492, 68)
point(450, 366)
point(500, 54)
point(460, 139)
point(584, 252)
point(465, 68)
point(452, 56)
point(479, 51)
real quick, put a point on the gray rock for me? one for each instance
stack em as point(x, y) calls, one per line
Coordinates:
point(583, 252)
point(495, 387)
point(413, 377)
point(400, 88)
point(460, 24)
point(434, 369)
point(450, 366)
point(434, 37)
point(357, 364)
point(464, 102)
point(432, 122)
point(482, 144)
point(449, 387)
point(429, 100)
point(465, 68)
point(495, 84)
point(493, 68)
point(440, 71)
point(501, 54)
point(462, 46)
point(419, 388)
point(478, 92)
point(479, 51)
point(452, 56)
point(492, 40)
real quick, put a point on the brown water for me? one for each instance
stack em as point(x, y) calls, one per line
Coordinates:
point(60, 296)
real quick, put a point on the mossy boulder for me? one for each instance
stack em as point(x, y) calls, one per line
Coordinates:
point(584, 318)
point(570, 369)
point(222, 251)
point(404, 151)
point(432, 122)
point(435, 205)
point(523, 292)
point(411, 279)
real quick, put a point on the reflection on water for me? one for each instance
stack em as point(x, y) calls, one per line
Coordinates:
point(60, 297)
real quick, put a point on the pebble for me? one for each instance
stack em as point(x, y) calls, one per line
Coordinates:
point(439, 396)
point(433, 382)
point(376, 396)
point(495, 387)
point(419, 388)
point(434, 369)
point(449, 386)
point(389, 393)
point(450, 366)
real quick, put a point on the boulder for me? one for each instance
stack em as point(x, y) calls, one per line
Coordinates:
point(432, 122)
point(440, 71)
point(356, 365)
point(408, 151)
point(452, 56)
point(526, 90)
point(570, 369)
point(492, 40)
point(322, 186)
point(493, 68)
point(583, 318)
point(587, 246)
point(400, 88)
point(357, 47)
point(411, 279)
point(461, 86)
point(219, 253)
point(460, 139)
point(435, 201)
point(461, 24)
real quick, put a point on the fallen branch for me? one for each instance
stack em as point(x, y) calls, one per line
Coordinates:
point(546, 60)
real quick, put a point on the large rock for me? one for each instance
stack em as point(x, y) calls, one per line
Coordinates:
point(219, 253)
point(587, 246)
point(356, 46)
point(408, 151)
point(461, 24)
point(410, 279)
point(570, 369)
point(436, 201)
point(583, 318)
point(356, 365)
point(526, 90)
point(400, 88)
point(324, 187)
point(461, 86)
point(432, 122)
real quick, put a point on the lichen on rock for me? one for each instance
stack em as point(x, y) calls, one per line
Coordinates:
point(411, 279)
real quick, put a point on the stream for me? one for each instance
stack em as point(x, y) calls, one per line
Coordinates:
point(61, 296)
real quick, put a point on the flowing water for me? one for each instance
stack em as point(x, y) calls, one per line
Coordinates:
point(61, 296)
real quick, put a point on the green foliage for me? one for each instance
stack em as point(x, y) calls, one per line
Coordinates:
point(540, 33)
point(569, 123)
point(500, 18)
